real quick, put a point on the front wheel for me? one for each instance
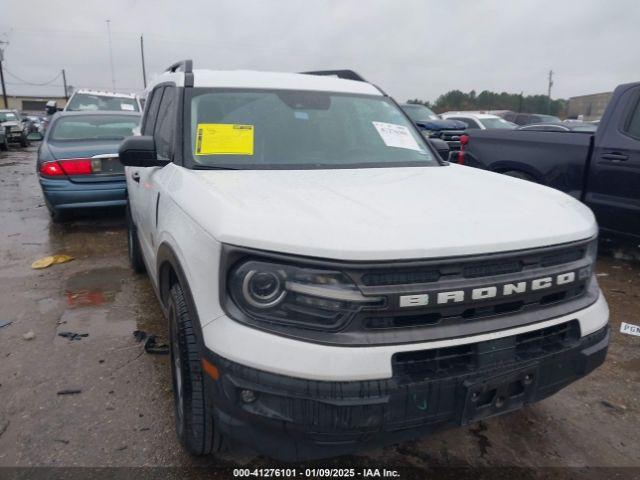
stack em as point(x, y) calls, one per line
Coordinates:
point(24, 142)
point(194, 416)
point(519, 174)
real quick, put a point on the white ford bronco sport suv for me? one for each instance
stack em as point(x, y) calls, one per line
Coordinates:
point(330, 283)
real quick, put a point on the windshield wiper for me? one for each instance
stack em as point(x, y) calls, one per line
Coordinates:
point(212, 167)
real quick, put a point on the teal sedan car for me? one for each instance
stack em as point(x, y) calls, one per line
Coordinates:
point(78, 165)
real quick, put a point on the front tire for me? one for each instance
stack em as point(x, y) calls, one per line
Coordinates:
point(24, 142)
point(133, 244)
point(194, 416)
point(519, 174)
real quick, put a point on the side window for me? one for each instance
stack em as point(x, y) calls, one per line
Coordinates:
point(152, 111)
point(522, 119)
point(165, 125)
point(633, 123)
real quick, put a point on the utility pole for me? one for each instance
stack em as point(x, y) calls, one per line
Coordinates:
point(64, 83)
point(4, 91)
point(113, 77)
point(520, 98)
point(549, 91)
point(144, 70)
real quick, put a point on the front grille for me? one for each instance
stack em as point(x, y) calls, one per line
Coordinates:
point(461, 268)
point(462, 359)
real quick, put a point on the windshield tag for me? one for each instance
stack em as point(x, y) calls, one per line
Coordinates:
point(398, 136)
point(302, 115)
point(126, 106)
point(224, 139)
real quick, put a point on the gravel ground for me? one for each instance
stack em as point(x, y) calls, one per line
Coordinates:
point(123, 417)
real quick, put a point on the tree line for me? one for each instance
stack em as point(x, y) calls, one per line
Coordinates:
point(486, 100)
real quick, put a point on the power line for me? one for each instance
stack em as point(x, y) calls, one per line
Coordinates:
point(26, 82)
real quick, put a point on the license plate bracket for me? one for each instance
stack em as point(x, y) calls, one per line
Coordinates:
point(500, 394)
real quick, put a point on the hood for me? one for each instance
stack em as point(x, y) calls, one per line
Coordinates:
point(82, 149)
point(10, 124)
point(437, 125)
point(379, 213)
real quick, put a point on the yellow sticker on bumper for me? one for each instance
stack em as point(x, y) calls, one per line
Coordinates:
point(224, 139)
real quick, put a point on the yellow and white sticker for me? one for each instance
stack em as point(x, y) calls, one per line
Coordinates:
point(224, 139)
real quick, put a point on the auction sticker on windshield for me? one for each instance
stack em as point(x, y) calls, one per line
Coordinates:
point(224, 139)
point(394, 135)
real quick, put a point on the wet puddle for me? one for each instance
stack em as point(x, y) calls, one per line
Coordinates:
point(92, 307)
point(94, 287)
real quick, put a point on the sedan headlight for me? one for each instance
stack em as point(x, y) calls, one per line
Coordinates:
point(296, 296)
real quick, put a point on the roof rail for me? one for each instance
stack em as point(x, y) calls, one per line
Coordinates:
point(187, 67)
point(344, 74)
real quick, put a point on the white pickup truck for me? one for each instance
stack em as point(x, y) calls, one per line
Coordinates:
point(330, 283)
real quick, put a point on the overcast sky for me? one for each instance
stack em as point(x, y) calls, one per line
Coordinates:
point(411, 48)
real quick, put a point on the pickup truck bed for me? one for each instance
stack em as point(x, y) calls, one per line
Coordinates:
point(601, 169)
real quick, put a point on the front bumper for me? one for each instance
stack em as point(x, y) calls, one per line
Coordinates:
point(297, 419)
point(65, 194)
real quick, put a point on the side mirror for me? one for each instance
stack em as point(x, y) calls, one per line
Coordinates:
point(139, 151)
point(441, 147)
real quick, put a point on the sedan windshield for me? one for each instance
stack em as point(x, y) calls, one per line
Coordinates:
point(91, 102)
point(94, 127)
point(497, 123)
point(8, 117)
point(254, 129)
point(420, 112)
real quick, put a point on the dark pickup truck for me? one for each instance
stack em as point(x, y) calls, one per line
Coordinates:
point(602, 169)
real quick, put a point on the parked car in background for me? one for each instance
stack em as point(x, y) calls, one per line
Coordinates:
point(92, 100)
point(78, 165)
point(561, 127)
point(330, 284)
point(4, 143)
point(14, 128)
point(37, 124)
point(479, 120)
point(527, 118)
point(601, 167)
point(432, 126)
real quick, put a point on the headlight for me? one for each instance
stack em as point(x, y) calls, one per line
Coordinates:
point(297, 296)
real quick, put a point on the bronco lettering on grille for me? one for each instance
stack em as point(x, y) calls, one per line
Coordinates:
point(490, 291)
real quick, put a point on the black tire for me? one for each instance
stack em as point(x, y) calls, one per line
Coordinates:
point(519, 174)
point(193, 413)
point(4, 146)
point(133, 244)
point(24, 142)
point(58, 216)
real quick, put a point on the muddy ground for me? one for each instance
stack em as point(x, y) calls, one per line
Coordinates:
point(123, 414)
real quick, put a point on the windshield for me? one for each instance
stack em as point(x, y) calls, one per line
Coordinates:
point(91, 102)
point(497, 123)
point(548, 119)
point(94, 127)
point(8, 117)
point(250, 129)
point(419, 112)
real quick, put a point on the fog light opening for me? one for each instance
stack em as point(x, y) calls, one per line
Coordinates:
point(248, 396)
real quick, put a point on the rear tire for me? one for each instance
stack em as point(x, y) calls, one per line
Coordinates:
point(133, 244)
point(519, 174)
point(193, 413)
point(58, 216)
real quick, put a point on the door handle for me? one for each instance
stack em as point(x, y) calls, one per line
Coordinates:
point(135, 176)
point(615, 157)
